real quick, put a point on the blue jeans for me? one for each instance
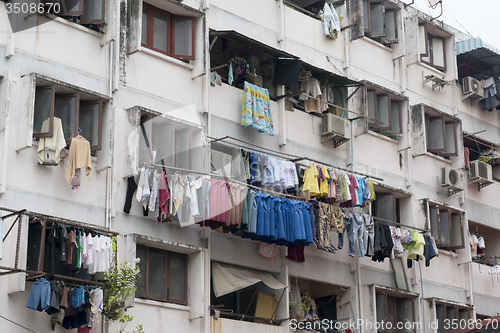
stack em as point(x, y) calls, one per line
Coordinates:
point(354, 228)
point(39, 298)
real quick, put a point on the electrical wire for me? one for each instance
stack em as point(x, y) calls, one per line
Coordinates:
point(17, 324)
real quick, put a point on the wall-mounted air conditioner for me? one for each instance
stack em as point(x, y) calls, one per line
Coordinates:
point(452, 180)
point(480, 173)
point(336, 128)
point(472, 88)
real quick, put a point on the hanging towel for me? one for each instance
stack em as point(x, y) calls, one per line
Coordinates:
point(230, 74)
point(256, 109)
point(79, 157)
point(49, 149)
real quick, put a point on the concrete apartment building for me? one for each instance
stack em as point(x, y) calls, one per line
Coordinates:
point(406, 106)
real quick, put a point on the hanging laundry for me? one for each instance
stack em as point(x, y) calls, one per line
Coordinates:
point(256, 109)
point(49, 148)
point(331, 21)
point(79, 157)
point(310, 93)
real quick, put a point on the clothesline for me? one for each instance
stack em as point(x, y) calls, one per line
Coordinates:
point(296, 157)
point(396, 224)
point(278, 194)
point(62, 221)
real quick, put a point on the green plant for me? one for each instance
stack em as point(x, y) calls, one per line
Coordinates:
point(124, 320)
point(120, 285)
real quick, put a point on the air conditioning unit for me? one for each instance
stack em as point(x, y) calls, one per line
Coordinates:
point(472, 88)
point(336, 128)
point(480, 171)
point(452, 179)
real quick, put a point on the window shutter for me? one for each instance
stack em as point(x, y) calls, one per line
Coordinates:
point(385, 207)
point(433, 219)
point(457, 231)
point(43, 125)
point(391, 31)
point(93, 12)
point(451, 139)
point(134, 25)
point(422, 41)
point(5, 90)
point(72, 7)
point(16, 282)
point(438, 52)
point(371, 105)
point(383, 114)
point(419, 145)
point(25, 108)
point(435, 127)
point(132, 128)
point(356, 14)
point(377, 19)
point(444, 226)
point(395, 117)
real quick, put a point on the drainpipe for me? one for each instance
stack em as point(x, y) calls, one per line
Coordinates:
point(281, 23)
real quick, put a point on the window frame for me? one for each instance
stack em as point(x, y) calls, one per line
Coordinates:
point(168, 255)
point(396, 206)
point(429, 36)
point(151, 10)
point(394, 296)
point(79, 100)
point(368, 32)
point(444, 151)
point(70, 13)
point(51, 112)
point(83, 20)
point(447, 306)
point(435, 223)
point(374, 119)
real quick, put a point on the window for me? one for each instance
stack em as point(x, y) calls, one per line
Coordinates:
point(308, 7)
point(447, 313)
point(380, 22)
point(395, 308)
point(169, 142)
point(384, 111)
point(78, 111)
point(163, 275)
point(85, 12)
point(431, 46)
point(446, 226)
point(168, 33)
point(386, 206)
point(441, 134)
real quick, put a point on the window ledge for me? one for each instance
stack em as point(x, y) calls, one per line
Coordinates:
point(439, 158)
point(380, 45)
point(73, 25)
point(382, 136)
point(447, 253)
point(166, 58)
point(429, 67)
point(172, 306)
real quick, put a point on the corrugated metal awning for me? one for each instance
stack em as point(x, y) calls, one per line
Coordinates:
point(479, 50)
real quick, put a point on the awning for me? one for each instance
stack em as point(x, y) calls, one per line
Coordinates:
point(479, 50)
point(248, 42)
point(227, 279)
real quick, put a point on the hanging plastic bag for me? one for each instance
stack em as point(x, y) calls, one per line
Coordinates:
point(331, 21)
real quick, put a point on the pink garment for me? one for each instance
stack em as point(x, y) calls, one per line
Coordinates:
point(214, 199)
point(164, 196)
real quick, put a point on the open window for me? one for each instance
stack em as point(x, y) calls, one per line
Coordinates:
point(432, 45)
point(447, 314)
point(161, 139)
point(441, 134)
point(379, 21)
point(318, 91)
point(384, 110)
point(237, 58)
point(164, 275)
point(246, 294)
point(80, 112)
point(446, 225)
point(90, 13)
point(312, 300)
point(483, 240)
point(391, 204)
point(397, 308)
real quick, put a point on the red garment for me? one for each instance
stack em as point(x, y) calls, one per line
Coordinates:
point(164, 196)
point(296, 253)
point(85, 329)
point(466, 157)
